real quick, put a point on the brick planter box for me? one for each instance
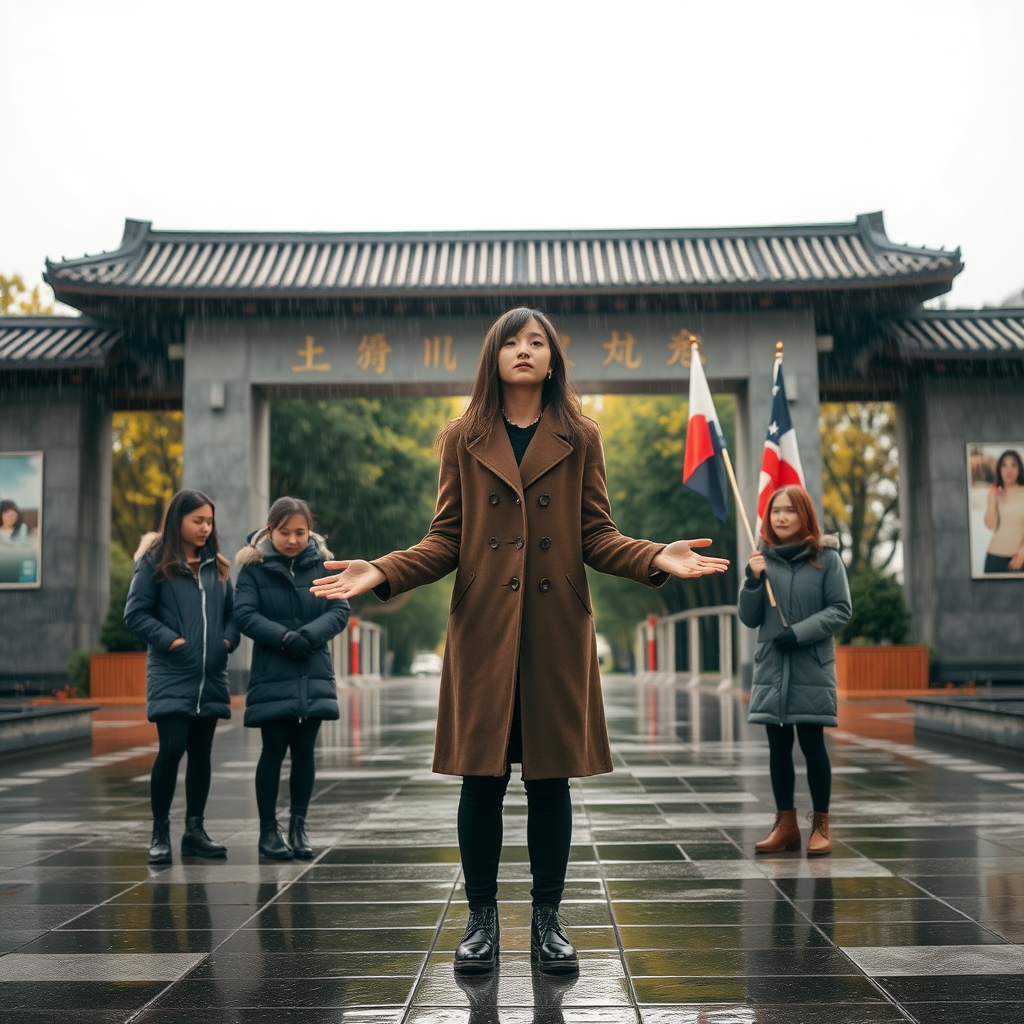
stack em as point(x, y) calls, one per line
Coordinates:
point(891, 668)
point(118, 678)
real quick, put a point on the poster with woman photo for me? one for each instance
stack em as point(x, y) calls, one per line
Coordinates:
point(21, 514)
point(995, 478)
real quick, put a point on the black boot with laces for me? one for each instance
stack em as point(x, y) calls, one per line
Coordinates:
point(550, 947)
point(272, 843)
point(160, 844)
point(196, 843)
point(478, 950)
point(297, 838)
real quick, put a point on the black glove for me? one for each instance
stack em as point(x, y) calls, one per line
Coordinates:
point(786, 640)
point(752, 582)
point(297, 647)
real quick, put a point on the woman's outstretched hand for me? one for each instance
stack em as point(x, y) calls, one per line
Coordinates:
point(680, 559)
point(356, 577)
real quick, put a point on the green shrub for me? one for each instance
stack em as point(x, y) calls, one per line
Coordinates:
point(114, 634)
point(880, 613)
point(78, 669)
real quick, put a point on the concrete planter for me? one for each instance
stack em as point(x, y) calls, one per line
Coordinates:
point(875, 671)
point(118, 678)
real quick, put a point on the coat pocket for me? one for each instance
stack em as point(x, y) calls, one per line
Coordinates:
point(580, 594)
point(459, 595)
point(826, 652)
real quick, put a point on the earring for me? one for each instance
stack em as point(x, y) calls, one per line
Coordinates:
point(549, 375)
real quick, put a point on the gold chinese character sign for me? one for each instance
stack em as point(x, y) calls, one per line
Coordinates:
point(309, 354)
point(373, 353)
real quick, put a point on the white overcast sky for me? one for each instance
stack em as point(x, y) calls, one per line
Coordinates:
point(442, 115)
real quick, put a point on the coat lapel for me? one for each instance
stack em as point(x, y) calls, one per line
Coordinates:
point(495, 452)
point(546, 450)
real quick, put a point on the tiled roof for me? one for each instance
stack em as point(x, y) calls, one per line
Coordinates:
point(961, 332)
point(37, 342)
point(812, 257)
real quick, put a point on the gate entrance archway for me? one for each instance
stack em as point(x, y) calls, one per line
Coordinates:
point(219, 324)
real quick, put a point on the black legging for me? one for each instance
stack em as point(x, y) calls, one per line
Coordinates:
point(548, 836)
point(819, 771)
point(181, 734)
point(278, 736)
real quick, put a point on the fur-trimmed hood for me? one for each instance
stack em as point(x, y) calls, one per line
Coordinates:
point(146, 544)
point(259, 548)
point(828, 540)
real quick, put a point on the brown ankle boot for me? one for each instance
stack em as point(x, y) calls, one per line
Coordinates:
point(820, 841)
point(785, 834)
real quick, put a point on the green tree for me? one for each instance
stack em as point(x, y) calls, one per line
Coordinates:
point(859, 453)
point(644, 440)
point(114, 634)
point(17, 299)
point(879, 609)
point(147, 469)
point(368, 468)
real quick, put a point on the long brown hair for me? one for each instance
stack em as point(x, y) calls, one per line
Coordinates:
point(167, 551)
point(484, 407)
point(809, 532)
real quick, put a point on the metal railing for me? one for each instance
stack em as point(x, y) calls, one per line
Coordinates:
point(356, 652)
point(655, 646)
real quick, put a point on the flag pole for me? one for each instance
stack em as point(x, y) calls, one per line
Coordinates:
point(694, 354)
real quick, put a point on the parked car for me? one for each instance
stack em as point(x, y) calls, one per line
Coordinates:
point(426, 663)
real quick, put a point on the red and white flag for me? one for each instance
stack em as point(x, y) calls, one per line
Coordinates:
point(780, 463)
point(703, 465)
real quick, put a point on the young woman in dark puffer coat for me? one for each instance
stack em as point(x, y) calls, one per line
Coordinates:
point(794, 685)
point(180, 603)
point(291, 682)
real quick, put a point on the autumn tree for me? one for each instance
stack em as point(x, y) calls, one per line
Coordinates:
point(147, 470)
point(860, 457)
point(644, 439)
point(17, 299)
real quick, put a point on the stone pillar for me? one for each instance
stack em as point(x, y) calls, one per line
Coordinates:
point(227, 430)
point(43, 627)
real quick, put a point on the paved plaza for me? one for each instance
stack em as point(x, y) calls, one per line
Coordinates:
point(918, 915)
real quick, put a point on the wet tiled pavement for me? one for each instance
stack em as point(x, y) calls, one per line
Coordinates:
point(918, 915)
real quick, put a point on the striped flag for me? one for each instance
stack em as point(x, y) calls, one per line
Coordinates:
point(780, 463)
point(703, 467)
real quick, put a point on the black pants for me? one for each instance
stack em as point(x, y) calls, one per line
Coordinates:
point(548, 836)
point(998, 563)
point(278, 737)
point(819, 770)
point(180, 735)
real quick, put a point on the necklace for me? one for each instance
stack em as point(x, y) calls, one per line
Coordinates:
point(525, 426)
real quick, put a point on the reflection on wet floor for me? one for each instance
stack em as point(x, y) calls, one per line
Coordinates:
point(917, 915)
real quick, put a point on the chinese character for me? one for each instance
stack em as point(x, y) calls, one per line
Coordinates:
point(566, 341)
point(679, 346)
point(373, 353)
point(432, 352)
point(309, 353)
point(620, 350)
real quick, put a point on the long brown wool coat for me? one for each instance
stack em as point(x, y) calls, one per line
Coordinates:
point(519, 537)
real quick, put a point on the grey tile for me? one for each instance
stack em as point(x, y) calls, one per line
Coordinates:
point(69, 967)
point(937, 960)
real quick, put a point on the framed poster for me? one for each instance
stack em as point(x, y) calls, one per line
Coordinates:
point(21, 519)
point(995, 488)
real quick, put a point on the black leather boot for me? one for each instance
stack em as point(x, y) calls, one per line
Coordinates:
point(297, 838)
point(196, 843)
point(272, 843)
point(478, 950)
point(550, 947)
point(160, 844)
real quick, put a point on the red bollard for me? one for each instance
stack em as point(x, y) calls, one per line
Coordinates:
point(652, 646)
point(353, 646)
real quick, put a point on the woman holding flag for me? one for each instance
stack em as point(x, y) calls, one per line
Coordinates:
point(522, 508)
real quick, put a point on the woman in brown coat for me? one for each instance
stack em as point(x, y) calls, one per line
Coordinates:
point(522, 507)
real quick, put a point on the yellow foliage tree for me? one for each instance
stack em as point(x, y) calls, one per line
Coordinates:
point(147, 470)
point(858, 448)
point(16, 299)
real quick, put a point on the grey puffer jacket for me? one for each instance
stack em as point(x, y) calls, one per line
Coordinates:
point(797, 686)
point(193, 678)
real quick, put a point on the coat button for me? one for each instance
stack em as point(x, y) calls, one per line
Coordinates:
point(519, 501)
point(493, 499)
point(545, 584)
point(514, 583)
point(494, 543)
point(545, 543)
point(519, 542)
point(543, 501)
